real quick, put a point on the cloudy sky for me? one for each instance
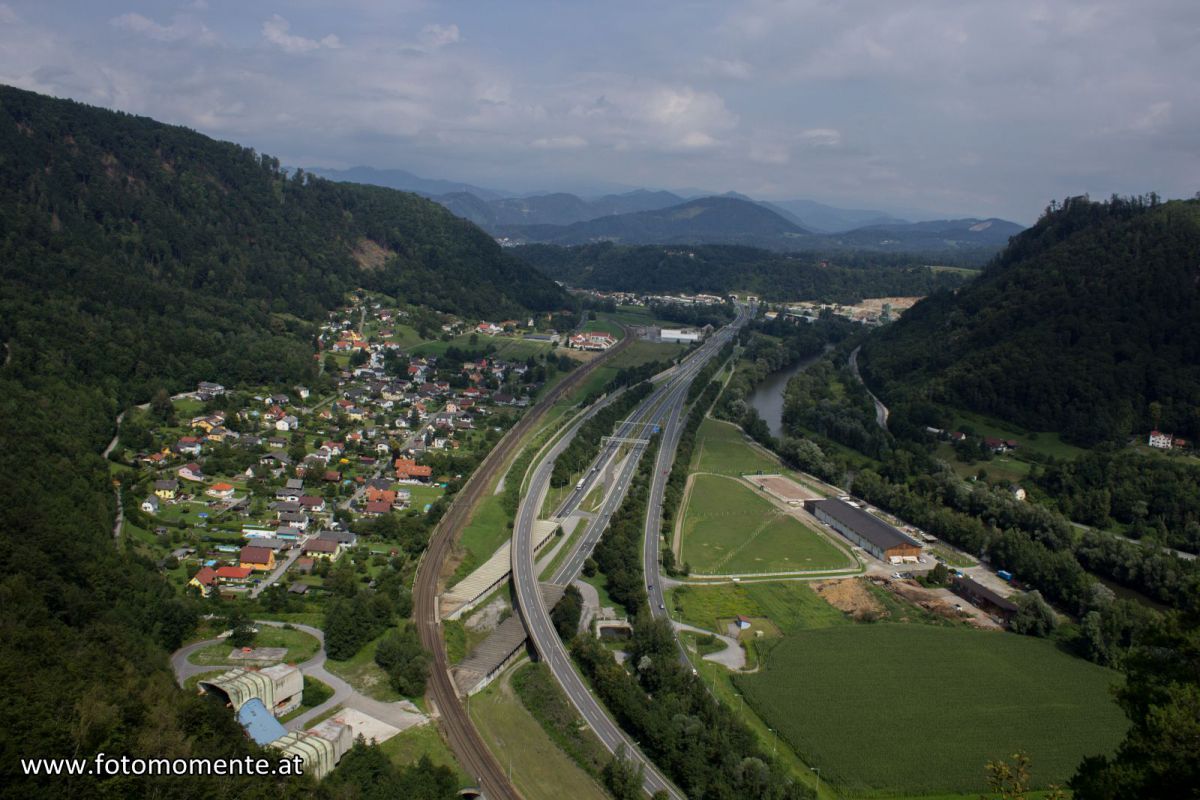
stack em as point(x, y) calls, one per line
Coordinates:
point(969, 108)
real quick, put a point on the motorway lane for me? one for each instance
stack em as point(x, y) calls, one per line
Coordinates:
point(469, 749)
point(530, 604)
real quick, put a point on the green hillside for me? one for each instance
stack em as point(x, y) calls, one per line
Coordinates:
point(719, 269)
point(133, 256)
point(1087, 324)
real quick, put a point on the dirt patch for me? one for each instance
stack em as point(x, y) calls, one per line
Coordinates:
point(851, 597)
point(488, 617)
point(370, 255)
point(932, 600)
point(785, 489)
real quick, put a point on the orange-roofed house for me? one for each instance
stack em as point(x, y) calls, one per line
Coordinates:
point(221, 491)
point(261, 559)
point(409, 470)
point(205, 580)
point(233, 574)
point(381, 496)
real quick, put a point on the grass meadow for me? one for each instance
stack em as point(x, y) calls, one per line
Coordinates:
point(889, 708)
point(729, 529)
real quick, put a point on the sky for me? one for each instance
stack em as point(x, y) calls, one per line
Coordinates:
point(951, 107)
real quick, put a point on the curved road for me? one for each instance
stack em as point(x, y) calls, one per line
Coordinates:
point(665, 401)
point(468, 746)
point(881, 411)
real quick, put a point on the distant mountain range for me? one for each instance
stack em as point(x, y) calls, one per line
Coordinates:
point(660, 217)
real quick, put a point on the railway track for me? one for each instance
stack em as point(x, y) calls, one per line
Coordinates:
point(469, 748)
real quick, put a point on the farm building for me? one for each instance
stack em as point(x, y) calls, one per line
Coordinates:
point(865, 530)
point(278, 687)
point(983, 598)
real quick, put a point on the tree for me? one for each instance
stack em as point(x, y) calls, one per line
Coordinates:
point(567, 612)
point(401, 656)
point(1034, 617)
point(622, 777)
point(162, 408)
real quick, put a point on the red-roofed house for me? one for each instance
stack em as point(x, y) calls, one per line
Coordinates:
point(409, 470)
point(221, 491)
point(205, 580)
point(233, 574)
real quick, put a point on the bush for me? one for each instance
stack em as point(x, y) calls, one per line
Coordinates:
point(315, 692)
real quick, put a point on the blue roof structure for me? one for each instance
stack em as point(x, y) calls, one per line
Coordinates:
point(259, 722)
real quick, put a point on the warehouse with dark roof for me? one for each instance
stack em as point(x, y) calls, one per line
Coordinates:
point(865, 530)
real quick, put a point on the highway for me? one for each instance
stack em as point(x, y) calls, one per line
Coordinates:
point(469, 749)
point(665, 402)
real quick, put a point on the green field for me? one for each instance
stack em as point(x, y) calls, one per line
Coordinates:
point(721, 448)
point(789, 605)
point(730, 529)
point(301, 646)
point(919, 709)
point(407, 747)
point(540, 770)
point(642, 352)
point(1050, 444)
point(365, 675)
point(605, 326)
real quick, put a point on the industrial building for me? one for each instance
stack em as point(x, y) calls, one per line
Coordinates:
point(279, 688)
point(320, 748)
point(866, 530)
point(990, 602)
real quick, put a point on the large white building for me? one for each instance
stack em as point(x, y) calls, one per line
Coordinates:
point(1162, 441)
point(681, 335)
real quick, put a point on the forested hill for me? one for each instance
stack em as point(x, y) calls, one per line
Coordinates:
point(1088, 324)
point(107, 215)
point(136, 256)
point(718, 269)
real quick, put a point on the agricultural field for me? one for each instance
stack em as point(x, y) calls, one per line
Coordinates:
point(721, 448)
point(729, 529)
point(643, 352)
point(789, 605)
point(957, 698)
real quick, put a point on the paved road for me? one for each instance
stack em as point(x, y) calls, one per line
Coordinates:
point(881, 411)
point(664, 402)
point(469, 749)
point(398, 714)
point(281, 568)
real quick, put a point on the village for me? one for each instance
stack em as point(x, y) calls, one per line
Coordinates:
point(241, 489)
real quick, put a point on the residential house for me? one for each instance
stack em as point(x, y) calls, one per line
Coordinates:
point(313, 504)
point(261, 559)
point(409, 470)
point(210, 388)
point(221, 491)
point(188, 445)
point(205, 580)
point(191, 472)
point(166, 490)
point(235, 575)
point(1163, 441)
point(344, 538)
point(294, 519)
point(322, 548)
point(150, 504)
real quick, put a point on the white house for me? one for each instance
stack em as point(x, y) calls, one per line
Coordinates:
point(1161, 440)
point(150, 505)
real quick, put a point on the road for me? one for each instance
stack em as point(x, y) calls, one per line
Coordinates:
point(881, 411)
point(469, 749)
point(397, 714)
point(666, 401)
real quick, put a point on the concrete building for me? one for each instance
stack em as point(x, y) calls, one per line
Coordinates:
point(279, 688)
point(681, 335)
point(865, 530)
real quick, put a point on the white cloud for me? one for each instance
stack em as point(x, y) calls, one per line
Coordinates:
point(696, 140)
point(821, 137)
point(7, 15)
point(727, 68)
point(181, 28)
point(559, 143)
point(275, 30)
point(435, 36)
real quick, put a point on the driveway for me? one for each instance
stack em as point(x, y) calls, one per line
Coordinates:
point(733, 656)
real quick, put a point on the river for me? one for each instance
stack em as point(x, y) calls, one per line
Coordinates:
point(767, 397)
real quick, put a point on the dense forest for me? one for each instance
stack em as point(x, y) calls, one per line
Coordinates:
point(1087, 324)
point(718, 269)
point(134, 256)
